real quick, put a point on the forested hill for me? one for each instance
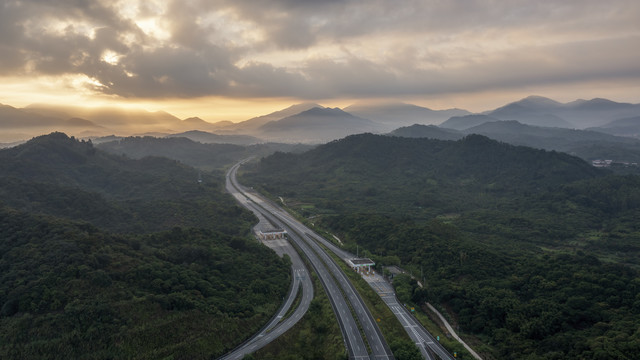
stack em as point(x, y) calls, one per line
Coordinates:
point(533, 252)
point(419, 171)
point(105, 257)
point(71, 291)
point(62, 176)
point(58, 159)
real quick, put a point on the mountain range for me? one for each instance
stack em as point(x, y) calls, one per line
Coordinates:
point(316, 125)
point(313, 123)
point(579, 114)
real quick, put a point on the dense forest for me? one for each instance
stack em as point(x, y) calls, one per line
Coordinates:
point(534, 252)
point(64, 177)
point(106, 257)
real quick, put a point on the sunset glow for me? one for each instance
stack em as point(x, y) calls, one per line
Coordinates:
point(231, 60)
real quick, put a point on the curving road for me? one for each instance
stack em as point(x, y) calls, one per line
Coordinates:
point(300, 275)
point(343, 296)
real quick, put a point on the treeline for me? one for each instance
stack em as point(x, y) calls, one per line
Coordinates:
point(535, 252)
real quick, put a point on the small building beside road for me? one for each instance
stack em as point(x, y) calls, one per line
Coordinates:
point(361, 265)
point(272, 234)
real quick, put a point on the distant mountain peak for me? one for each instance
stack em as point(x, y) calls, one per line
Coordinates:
point(599, 104)
point(384, 105)
point(533, 110)
point(297, 108)
point(535, 102)
point(256, 122)
point(601, 100)
point(318, 124)
point(540, 98)
point(325, 111)
point(193, 119)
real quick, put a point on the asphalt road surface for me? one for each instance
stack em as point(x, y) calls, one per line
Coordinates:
point(426, 343)
point(339, 289)
point(276, 326)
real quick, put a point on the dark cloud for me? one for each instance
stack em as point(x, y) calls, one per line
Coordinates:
point(184, 27)
point(264, 80)
point(32, 46)
point(339, 48)
point(166, 72)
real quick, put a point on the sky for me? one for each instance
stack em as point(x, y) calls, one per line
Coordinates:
point(234, 59)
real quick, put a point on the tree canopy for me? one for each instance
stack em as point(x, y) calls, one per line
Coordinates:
point(535, 252)
point(107, 257)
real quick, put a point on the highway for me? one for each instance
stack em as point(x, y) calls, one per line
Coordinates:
point(300, 275)
point(342, 295)
point(425, 342)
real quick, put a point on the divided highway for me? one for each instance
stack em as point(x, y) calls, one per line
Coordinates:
point(343, 297)
point(425, 342)
point(429, 347)
point(301, 279)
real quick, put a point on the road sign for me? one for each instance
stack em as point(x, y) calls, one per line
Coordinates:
point(413, 309)
point(438, 337)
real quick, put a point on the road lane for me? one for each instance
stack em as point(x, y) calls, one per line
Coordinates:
point(351, 334)
point(321, 262)
point(301, 279)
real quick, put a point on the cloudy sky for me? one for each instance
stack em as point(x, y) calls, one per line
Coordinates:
point(232, 59)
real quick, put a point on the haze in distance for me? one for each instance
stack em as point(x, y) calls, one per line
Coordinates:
point(230, 61)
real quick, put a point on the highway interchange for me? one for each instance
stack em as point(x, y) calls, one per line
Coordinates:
point(347, 304)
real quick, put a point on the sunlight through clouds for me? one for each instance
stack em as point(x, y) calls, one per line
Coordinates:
point(314, 50)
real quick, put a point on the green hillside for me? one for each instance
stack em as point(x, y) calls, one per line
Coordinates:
point(104, 257)
point(415, 177)
point(533, 252)
point(65, 177)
